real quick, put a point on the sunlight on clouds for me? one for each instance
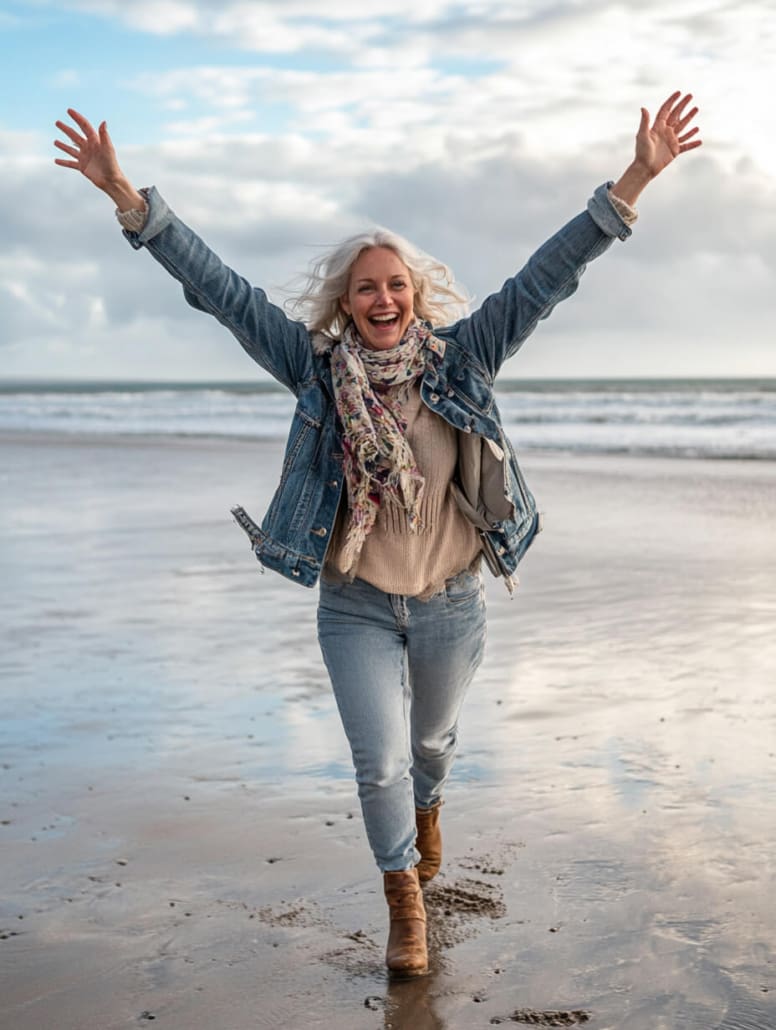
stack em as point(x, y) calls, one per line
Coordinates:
point(160, 17)
point(738, 106)
point(570, 75)
point(379, 112)
point(573, 76)
point(235, 197)
point(243, 17)
point(414, 53)
point(256, 27)
point(474, 127)
point(209, 126)
point(284, 200)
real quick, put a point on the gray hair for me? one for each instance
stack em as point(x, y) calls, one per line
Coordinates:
point(437, 298)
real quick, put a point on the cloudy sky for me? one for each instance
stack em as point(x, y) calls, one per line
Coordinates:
point(474, 128)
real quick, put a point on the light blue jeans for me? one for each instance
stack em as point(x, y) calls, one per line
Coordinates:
point(400, 668)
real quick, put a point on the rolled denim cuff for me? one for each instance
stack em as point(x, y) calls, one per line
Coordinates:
point(605, 214)
point(159, 217)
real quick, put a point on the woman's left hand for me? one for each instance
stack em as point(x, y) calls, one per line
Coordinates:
point(666, 139)
point(657, 145)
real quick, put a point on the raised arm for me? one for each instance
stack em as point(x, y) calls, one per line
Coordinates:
point(278, 344)
point(505, 319)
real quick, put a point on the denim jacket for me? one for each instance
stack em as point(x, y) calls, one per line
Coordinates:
point(462, 362)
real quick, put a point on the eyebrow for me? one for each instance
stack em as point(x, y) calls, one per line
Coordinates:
point(370, 279)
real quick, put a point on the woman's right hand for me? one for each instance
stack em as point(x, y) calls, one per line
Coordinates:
point(92, 154)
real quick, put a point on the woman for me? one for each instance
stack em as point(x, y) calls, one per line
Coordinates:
point(398, 478)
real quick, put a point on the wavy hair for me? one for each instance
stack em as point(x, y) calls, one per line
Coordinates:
point(437, 298)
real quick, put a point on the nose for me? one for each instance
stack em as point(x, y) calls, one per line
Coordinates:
point(383, 295)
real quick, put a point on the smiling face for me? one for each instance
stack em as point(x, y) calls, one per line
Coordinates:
point(379, 297)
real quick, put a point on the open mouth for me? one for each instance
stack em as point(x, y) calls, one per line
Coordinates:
point(384, 321)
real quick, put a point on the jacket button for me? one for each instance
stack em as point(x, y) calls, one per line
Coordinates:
point(334, 483)
point(294, 572)
point(434, 398)
point(320, 531)
point(451, 392)
point(467, 429)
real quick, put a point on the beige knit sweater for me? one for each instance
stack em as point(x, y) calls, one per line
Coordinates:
point(393, 558)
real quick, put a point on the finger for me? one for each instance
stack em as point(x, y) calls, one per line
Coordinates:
point(687, 135)
point(68, 150)
point(66, 164)
point(666, 106)
point(675, 117)
point(690, 146)
point(104, 135)
point(71, 133)
point(682, 122)
point(644, 123)
point(83, 123)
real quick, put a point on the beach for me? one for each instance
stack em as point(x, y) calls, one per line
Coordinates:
point(180, 835)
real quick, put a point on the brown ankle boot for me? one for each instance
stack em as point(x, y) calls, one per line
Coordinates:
point(406, 954)
point(428, 842)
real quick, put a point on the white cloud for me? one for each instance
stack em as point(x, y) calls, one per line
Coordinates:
point(568, 74)
point(163, 17)
point(670, 300)
point(209, 126)
point(473, 128)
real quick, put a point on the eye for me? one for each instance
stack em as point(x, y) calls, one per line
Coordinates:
point(398, 284)
point(364, 288)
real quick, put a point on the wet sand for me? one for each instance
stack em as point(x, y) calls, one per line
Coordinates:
point(180, 840)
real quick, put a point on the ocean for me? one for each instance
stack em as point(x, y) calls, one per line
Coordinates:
point(698, 418)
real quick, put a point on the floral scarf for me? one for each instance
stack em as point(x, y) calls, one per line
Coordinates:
point(369, 388)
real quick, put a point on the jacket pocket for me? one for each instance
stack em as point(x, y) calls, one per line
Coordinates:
point(298, 439)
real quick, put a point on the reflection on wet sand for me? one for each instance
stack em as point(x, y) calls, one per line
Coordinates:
point(609, 848)
point(411, 1004)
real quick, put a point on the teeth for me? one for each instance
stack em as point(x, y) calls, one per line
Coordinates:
point(383, 318)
